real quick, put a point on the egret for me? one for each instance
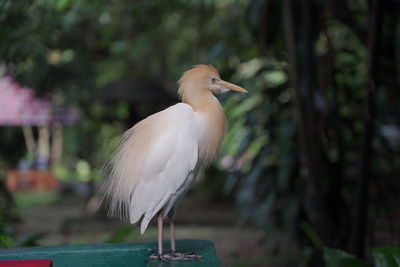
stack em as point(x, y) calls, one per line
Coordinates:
point(159, 157)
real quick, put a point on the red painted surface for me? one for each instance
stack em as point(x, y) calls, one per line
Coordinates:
point(26, 263)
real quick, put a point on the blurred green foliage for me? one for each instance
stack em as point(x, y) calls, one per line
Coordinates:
point(9, 215)
point(28, 200)
point(382, 257)
point(338, 258)
point(72, 50)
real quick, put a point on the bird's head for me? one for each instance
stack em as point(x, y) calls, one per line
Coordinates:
point(202, 79)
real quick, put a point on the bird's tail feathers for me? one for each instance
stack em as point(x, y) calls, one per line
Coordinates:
point(120, 172)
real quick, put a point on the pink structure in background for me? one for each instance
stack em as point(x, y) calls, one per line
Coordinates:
point(20, 107)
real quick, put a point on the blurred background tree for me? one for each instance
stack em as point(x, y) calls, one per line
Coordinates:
point(312, 152)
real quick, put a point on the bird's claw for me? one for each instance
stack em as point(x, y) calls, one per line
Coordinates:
point(175, 256)
point(158, 257)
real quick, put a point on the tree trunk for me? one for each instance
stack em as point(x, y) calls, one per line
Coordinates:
point(360, 213)
point(300, 38)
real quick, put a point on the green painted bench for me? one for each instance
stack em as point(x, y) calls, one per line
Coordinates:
point(128, 254)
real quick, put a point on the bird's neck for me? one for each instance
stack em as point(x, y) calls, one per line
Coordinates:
point(211, 122)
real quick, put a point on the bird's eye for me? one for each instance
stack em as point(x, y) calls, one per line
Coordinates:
point(213, 80)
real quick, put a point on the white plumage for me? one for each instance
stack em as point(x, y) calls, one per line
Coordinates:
point(163, 173)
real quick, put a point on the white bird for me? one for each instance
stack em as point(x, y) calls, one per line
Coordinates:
point(159, 157)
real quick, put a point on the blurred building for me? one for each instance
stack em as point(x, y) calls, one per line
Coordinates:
point(19, 107)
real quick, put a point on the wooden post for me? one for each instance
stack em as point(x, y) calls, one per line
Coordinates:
point(29, 139)
point(56, 142)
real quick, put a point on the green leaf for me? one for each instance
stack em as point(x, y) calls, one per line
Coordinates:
point(6, 241)
point(339, 258)
point(275, 78)
point(312, 235)
point(386, 256)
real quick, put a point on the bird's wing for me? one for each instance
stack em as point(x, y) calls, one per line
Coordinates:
point(153, 162)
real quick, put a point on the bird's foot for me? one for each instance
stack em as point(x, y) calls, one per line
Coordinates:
point(175, 256)
point(157, 257)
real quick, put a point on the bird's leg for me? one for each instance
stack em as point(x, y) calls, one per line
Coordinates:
point(172, 231)
point(175, 256)
point(159, 255)
point(160, 234)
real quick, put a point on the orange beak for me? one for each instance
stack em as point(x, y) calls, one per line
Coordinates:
point(231, 86)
